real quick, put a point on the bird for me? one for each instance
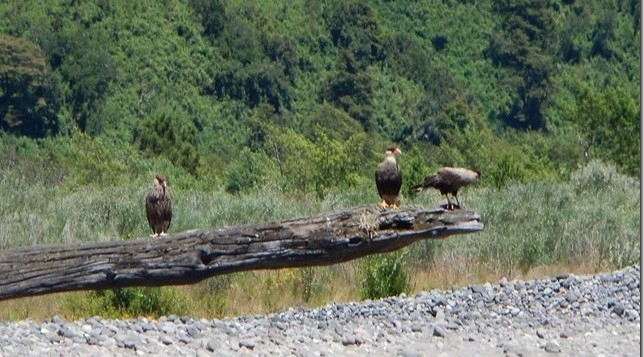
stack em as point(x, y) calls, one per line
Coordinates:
point(449, 180)
point(158, 207)
point(389, 179)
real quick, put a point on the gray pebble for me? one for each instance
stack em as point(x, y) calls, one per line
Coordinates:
point(202, 353)
point(439, 331)
point(211, 346)
point(507, 316)
point(618, 309)
point(247, 344)
point(552, 347)
point(571, 297)
point(194, 332)
point(148, 327)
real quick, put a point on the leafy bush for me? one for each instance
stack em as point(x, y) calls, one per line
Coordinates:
point(127, 302)
point(212, 293)
point(593, 177)
point(28, 102)
point(251, 170)
point(611, 117)
point(166, 133)
point(384, 275)
point(593, 219)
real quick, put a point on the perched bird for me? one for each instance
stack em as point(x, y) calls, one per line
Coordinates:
point(389, 179)
point(158, 207)
point(449, 180)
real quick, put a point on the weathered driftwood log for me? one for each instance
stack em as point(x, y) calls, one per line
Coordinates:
point(191, 256)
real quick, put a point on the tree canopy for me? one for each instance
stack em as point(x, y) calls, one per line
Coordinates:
point(307, 94)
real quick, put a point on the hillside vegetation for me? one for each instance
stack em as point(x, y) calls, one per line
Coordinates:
point(262, 110)
point(305, 95)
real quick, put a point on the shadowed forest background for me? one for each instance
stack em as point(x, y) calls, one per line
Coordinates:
point(261, 110)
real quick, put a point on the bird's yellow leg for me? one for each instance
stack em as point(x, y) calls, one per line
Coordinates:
point(395, 205)
point(383, 203)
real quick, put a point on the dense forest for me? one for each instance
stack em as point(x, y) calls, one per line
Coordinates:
point(305, 95)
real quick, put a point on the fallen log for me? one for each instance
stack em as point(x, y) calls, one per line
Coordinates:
point(191, 256)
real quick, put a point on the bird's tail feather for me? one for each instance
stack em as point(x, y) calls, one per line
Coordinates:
point(429, 182)
point(417, 188)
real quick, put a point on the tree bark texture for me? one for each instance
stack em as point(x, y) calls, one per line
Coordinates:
point(191, 256)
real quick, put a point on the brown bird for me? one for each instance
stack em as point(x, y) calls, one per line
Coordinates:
point(389, 179)
point(158, 207)
point(449, 180)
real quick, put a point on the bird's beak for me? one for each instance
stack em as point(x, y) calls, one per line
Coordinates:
point(164, 184)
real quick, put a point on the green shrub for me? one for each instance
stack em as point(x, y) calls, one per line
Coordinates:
point(212, 293)
point(251, 170)
point(311, 283)
point(385, 275)
point(592, 177)
point(127, 302)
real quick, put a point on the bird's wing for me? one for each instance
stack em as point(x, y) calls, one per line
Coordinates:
point(449, 175)
point(150, 208)
point(166, 210)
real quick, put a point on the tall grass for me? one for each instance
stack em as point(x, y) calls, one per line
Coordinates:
point(591, 220)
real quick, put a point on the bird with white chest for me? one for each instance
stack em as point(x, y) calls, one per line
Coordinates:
point(389, 179)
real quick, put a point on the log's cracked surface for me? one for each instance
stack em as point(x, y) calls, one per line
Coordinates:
point(191, 256)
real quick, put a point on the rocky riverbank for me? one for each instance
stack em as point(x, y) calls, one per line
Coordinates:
point(566, 314)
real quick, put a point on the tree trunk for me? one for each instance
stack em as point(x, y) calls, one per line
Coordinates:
point(191, 256)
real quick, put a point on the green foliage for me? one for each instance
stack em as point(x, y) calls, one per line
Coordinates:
point(126, 303)
point(593, 218)
point(354, 26)
point(594, 177)
point(166, 133)
point(333, 122)
point(212, 14)
point(307, 276)
point(85, 65)
point(413, 167)
point(610, 119)
point(212, 293)
point(449, 78)
point(522, 45)
point(28, 103)
point(351, 89)
point(384, 275)
point(356, 31)
point(88, 161)
point(315, 165)
point(507, 170)
point(251, 170)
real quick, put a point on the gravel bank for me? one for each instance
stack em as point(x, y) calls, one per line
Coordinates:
point(567, 315)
